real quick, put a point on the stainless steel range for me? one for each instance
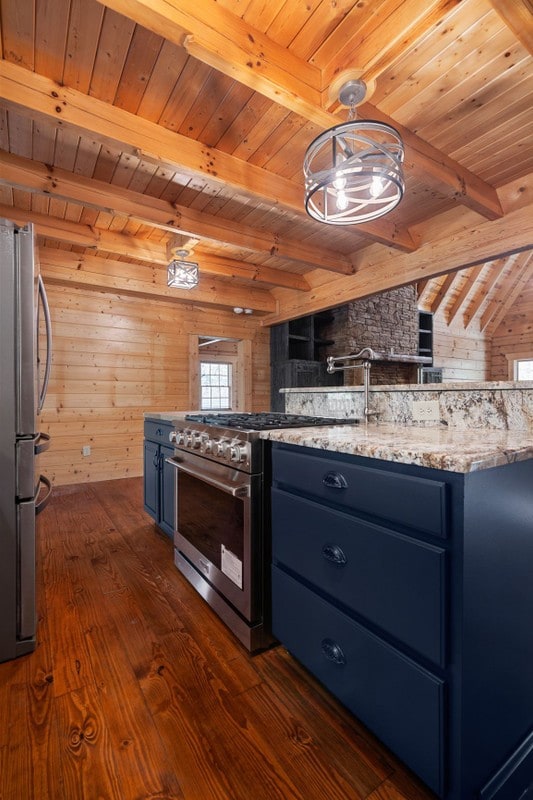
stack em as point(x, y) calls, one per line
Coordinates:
point(222, 524)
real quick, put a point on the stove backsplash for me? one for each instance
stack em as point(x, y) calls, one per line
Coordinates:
point(383, 321)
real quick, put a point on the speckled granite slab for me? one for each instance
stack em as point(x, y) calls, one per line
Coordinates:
point(437, 448)
point(493, 406)
point(166, 415)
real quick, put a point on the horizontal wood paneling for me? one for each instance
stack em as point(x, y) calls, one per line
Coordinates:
point(462, 354)
point(115, 357)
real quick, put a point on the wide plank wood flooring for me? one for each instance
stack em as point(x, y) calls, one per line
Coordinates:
point(137, 690)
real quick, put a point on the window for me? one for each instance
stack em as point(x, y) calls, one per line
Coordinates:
point(524, 369)
point(215, 385)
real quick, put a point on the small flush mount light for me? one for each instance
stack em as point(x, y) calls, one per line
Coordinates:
point(353, 171)
point(239, 310)
point(182, 274)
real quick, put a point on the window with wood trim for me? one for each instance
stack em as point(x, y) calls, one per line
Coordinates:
point(523, 369)
point(215, 385)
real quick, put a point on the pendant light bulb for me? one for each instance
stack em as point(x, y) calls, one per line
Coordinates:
point(377, 186)
point(342, 201)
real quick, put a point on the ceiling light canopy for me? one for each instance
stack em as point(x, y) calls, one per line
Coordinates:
point(353, 171)
point(182, 274)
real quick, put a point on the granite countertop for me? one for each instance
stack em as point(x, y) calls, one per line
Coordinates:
point(166, 415)
point(447, 449)
point(449, 386)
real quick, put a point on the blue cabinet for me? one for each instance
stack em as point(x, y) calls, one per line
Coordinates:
point(407, 592)
point(158, 475)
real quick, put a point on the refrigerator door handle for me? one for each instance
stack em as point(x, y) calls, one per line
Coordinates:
point(42, 443)
point(44, 501)
point(48, 326)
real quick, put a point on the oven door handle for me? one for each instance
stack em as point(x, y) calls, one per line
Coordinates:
point(235, 491)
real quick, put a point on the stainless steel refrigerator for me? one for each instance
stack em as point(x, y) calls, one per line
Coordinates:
point(23, 381)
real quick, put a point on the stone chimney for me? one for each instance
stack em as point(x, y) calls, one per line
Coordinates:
point(386, 322)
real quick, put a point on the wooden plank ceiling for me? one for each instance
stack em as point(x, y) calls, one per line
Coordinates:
point(127, 122)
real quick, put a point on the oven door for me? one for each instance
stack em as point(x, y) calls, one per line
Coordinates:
point(218, 528)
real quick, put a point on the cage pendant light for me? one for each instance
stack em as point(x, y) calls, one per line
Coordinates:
point(182, 274)
point(353, 171)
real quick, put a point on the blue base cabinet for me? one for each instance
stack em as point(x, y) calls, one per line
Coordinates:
point(408, 592)
point(158, 475)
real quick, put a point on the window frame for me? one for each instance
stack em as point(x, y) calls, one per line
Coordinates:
point(218, 361)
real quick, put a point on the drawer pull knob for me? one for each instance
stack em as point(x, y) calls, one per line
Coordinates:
point(333, 652)
point(334, 554)
point(335, 480)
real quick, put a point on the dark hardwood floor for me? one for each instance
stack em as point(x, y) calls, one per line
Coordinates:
point(137, 690)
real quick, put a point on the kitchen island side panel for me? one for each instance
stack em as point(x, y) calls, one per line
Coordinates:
point(497, 640)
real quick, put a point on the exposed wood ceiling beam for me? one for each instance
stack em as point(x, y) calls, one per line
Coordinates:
point(441, 294)
point(227, 43)
point(169, 18)
point(420, 289)
point(513, 285)
point(434, 168)
point(142, 249)
point(229, 268)
point(36, 177)
point(84, 271)
point(518, 16)
point(33, 93)
point(472, 275)
point(484, 242)
point(493, 272)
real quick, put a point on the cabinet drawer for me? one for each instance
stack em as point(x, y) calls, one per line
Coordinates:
point(157, 430)
point(415, 502)
point(399, 701)
point(392, 580)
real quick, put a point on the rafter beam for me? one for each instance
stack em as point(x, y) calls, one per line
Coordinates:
point(487, 241)
point(494, 271)
point(32, 93)
point(434, 168)
point(227, 43)
point(230, 268)
point(512, 285)
point(443, 291)
point(170, 18)
point(472, 276)
point(42, 179)
point(145, 250)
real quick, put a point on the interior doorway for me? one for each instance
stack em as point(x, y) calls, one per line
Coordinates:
point(220, 370)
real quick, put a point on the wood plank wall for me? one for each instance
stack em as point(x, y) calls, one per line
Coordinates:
point(462, 354)
point(116, 356)
point(469, 354)
point(514, 336)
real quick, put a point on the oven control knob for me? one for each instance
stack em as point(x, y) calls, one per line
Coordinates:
point(172, 436)
point(206, 446)
point(195, 440)
point(180, 438)
point(223, 448)
point(237, 453)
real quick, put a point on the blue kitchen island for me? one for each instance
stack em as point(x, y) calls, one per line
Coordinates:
point(403, 580)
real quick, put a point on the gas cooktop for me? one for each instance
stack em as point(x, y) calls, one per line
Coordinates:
point(266, 420)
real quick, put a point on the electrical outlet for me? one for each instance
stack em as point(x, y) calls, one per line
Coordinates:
point(425, 411)
point(86, 450)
